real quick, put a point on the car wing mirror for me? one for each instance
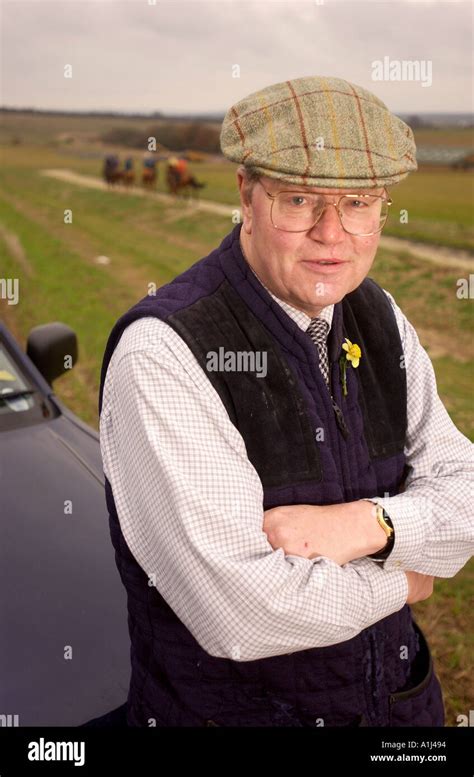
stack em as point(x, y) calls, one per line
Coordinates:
point(53, 349)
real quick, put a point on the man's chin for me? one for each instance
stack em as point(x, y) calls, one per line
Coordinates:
point(330, 292)
point(330, 297)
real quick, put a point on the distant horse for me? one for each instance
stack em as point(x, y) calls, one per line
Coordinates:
point(111, 172)
point(149, 177)
point(128, 172)
point(150, 173)
point(128, 177)
point(181, 184)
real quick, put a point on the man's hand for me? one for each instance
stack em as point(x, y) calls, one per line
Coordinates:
point(341, 532)
point(420, 587)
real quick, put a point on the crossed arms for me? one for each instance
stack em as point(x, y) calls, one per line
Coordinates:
point(190, 507)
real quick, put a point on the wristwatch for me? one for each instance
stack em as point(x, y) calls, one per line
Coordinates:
point(385, 522)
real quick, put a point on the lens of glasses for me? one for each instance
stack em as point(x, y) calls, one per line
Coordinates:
point(298, 212)
point(364, 214)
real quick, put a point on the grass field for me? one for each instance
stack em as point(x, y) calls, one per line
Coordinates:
point(438, 202)
point(148, 241)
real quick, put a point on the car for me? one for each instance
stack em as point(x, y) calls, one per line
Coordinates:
point(64, 645)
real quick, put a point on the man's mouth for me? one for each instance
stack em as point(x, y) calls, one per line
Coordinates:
point(325, 262)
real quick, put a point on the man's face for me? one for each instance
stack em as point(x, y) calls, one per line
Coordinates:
point(286, 262)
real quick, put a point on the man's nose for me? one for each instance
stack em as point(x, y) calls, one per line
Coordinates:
point(329, 228)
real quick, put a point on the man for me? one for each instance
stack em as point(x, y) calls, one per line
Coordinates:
point(281, 476)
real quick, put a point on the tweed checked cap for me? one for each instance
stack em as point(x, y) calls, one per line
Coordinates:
point(319, 131)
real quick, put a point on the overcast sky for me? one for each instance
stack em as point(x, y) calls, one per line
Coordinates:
point(178, 56)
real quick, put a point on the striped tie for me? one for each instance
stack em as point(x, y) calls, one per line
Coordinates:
point(318, 331)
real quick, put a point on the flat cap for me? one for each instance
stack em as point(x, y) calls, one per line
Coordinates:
point(319, 131)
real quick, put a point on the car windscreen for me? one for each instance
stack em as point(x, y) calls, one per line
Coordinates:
point(21, 403)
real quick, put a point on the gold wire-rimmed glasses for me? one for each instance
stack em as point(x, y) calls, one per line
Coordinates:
point(300, 211)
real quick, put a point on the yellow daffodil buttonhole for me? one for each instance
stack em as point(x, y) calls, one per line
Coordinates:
point(353, 352)
point(353, 356)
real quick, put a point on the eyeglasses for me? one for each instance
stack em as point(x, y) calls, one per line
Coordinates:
point(298, 211)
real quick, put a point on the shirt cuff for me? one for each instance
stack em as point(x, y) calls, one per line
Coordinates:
point(410, 516)
point(389, 590)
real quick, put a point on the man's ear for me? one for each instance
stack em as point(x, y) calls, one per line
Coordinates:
point(245, 201)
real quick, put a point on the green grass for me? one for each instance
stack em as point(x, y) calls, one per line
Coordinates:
point(148, 242)
point(455, 384)
point(447, 621)
point(439, 205)
point(427, 294)
point(65, 282)
point(438, 202)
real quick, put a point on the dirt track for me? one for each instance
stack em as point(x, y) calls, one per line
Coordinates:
point(98, 183)
point(436, 254)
